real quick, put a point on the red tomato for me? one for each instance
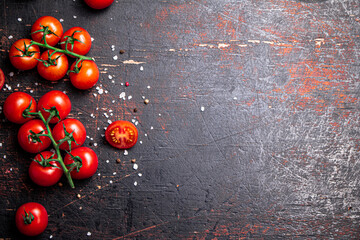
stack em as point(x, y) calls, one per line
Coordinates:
point(44, 175)
point(89, 161)
point(53, 28)
point(87, 76)
point(56, 99)
point(99, 4)
point(15, 104)
point(27, 143)
point(31, 219)
point(79, 37)
point(2, 79)
point(57, 69)
point(72, 126)
point(23, 56)
point(121, 134)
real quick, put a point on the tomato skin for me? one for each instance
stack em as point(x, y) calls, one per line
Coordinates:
point(54, 26)
point(121, 134)
point(53, 72)
point(82, 47)
point(25, 62)
point(87, 76)
point(89, 162)
point(38, 225)
point(71, 125)
point(45, 176)
point(2, 79)
point(99, 4)
point(15, 104)
point(56, 99)
point(36, 126)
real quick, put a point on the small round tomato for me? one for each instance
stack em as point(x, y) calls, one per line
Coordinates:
point(43, 173)
point(27, 142)
point(56, 99)
point(88, 165)
point(121, 134)
point(31, 219)
point(15, 104)
point(99, 4)
point(23, 55)
point(87, 75)
point(53, 65)
point(73, 126)
point(2, 79)
point(77, 40)
point(48, 25)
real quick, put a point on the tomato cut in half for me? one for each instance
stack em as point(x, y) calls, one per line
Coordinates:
point(48, 25)
point(15, 104)
point(88, 165)
point(31, 219)
point(121, 134)
point(44, 174)
point(56, 99)
point(30, 144)
point(23, 55)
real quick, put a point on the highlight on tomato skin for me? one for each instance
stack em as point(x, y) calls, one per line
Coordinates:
point(121, 134)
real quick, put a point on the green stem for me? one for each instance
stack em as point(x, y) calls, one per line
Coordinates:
point(45, 45)
point(56, 146)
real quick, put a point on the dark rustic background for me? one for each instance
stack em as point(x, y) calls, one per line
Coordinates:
point(251, 132)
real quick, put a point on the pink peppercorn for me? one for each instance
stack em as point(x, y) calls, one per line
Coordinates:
point(127, 84)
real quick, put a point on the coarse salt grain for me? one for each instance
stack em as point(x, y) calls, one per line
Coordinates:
point(135, 183)
point(126, 152)
point(11, 74)
point(89, 234)
point(135, 167)
point(107, 161)
point(148, 87)
point(114, 173)
point(95, 144)
point(61, 20)
point(112, 47)
point(115, 57)
point(122, 95)
point(140, 142)
point(19, 19)
point(110, 181)
point(10, 37)
point(141, 68)
point(51, 236)
point(202, 108)
point(92, 39)
point(136, 123)
point(74, 16)
point(110, 77)
point(109, 121)
point(235, 98)
point(151, 127)
point(145, 134)
point(129, 97)
point(140, 174)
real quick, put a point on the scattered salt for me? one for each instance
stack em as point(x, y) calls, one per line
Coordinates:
point(129, 97)
point(61, 20)
point(107, 161)
point(115, 57)
point(109, 121)
point(110, 77)
point(140, 142)
point(151, 127)
point(140, 174)
point(126, 152)
point(110, 181)
point(10, 37)
point(75, 16)
point(92, 39)
point(114, 173)
point(235, 98)
point(19, 19)
point(122, 95)
point(89, 234)
point(202, 108)
point(148, 87)
point(141, 68)
point(11, 74)
point(135, 167)
point(135, 183)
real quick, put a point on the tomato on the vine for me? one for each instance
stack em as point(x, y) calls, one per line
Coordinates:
point(53, 65)
point(87, 76)
point(77, 40)
point(121, 134)
point(2, 79)
point(73, 126)
point(32, 144)
point(99, 4)
point(23, 55)
point(88, 165)
point(56, 99)
point(44, 174)
point(48, 25)
point(31, 219)
point(15, 104)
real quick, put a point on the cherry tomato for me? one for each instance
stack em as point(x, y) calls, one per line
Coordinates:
point(2, 79)
point(44, 175)
point(27, 143)
point(72, 126)
point(121, 134)
point(89, 161)
point(15, 104)
point(99, 4)
point(31, 219)
point(51, 25)
point(23, 56)
point(57, 69)
point(79, 37)
point(56, 99)
point(87, 76)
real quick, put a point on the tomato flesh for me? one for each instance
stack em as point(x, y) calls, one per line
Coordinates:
point(121, 134)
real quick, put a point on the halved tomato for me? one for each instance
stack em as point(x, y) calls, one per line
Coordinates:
point(121, 134)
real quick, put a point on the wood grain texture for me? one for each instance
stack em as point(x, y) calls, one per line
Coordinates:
point(251, 131)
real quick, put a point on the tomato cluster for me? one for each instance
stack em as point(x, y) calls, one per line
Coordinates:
point(53, 64)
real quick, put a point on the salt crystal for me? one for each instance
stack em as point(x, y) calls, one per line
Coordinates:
point(129, 97)
point(89, 234)
point(107, 161)
point(145, 134)
point(141, 68)
point(122, 95)
point(75, 16)
point(110, 181)
point(133, 120)
point(109, 121)
point(92, 39)
point(235, 98)
point(135, 183)
point(11, 74)
point(140, 142)
point(140, 174)
point(114, 173)
point(19, 19)
point(61, 20)
point(112, 47)
point(94, 94)
point(202, 108)
point(95, 144)
point(126, 152)
point(136, 123)
point(10, 37)
point(110, 77)
point(106, 115)
point(51, 236)
point(135, 167)
point(115, 57)
point(0, 144)
point(151, 127)
point(148, 87)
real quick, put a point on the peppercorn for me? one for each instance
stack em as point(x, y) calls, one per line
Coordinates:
point(122, 51)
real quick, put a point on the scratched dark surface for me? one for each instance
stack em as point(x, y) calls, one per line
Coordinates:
point(251, 132)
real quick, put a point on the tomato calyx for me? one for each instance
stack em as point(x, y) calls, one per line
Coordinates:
point(46, 31)
point(26, 52)
point(69, 138)
point(46, 162)
point(53, 113)
point(27, 110)
point(35, 137)
point(28, 217)
point(76, 68)
point(50, 61)
point(71, 40)
point(76, 164)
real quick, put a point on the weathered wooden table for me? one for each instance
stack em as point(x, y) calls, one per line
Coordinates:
point(252, 130)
